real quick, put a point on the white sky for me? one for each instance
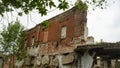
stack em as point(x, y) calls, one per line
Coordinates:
point(105, 24)
point(102, 24)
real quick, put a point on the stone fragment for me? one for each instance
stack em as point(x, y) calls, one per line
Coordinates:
point(66, 59)
point(45, 60)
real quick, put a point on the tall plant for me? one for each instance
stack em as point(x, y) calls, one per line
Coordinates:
point(12, 39)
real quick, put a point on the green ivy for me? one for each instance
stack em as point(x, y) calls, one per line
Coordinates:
point(45, 24)
point(81, 5)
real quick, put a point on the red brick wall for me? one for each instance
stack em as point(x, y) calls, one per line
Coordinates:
point(73, 19)
point(56, 26)
point(32, 33)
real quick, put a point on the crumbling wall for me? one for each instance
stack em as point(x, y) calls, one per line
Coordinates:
point(52, 51)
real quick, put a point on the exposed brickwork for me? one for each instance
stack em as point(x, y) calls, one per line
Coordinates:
point(32, 33)
point(74, 20)
point(50, 42)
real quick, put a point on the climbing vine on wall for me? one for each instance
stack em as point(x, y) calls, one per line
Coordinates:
point(45, 24)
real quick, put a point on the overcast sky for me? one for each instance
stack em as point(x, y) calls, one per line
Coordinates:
point(105, 24)
point(102, 24)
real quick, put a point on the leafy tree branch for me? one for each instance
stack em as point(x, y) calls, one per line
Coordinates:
point(42, 5)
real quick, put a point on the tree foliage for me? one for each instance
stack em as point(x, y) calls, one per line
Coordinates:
point(43, 5)
point(12, 38)
point(45, 24)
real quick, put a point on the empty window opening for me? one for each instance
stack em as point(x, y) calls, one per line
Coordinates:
point(63, 32)
point(33, 40)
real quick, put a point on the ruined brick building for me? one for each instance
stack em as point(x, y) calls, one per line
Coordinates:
point(64, 43)
point(54, 46)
